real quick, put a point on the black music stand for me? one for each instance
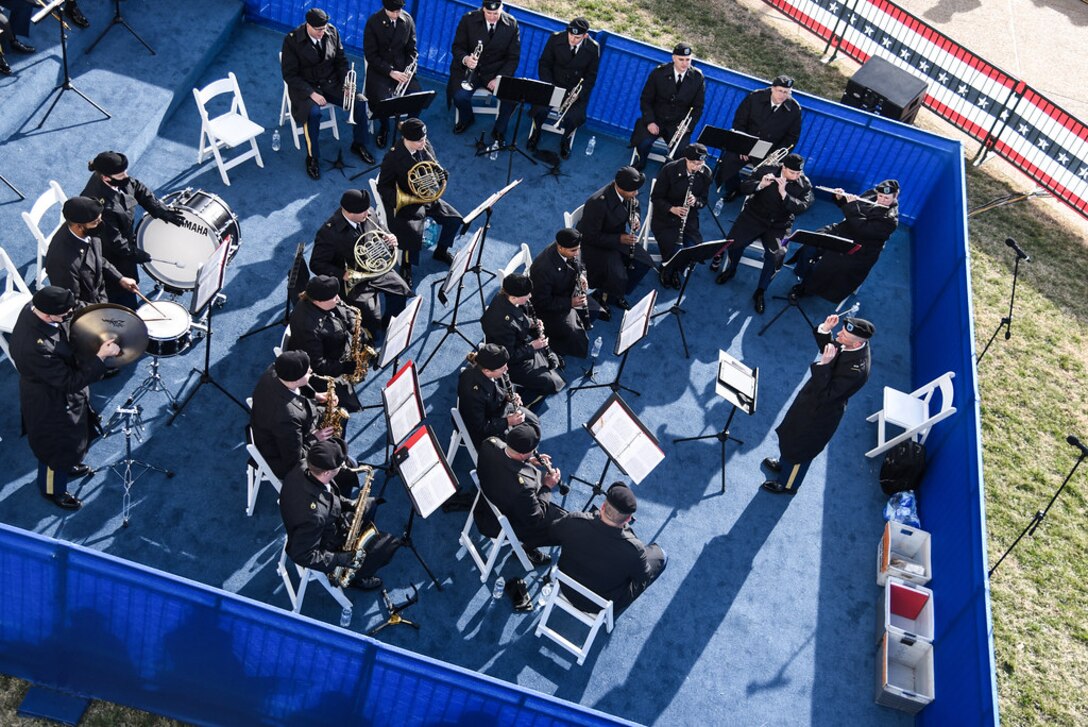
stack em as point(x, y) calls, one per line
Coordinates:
point(520, 91)
point(685, 260)
point(455, 276)
point(118, 19)
point(66, 83)
point(297, 278)
point(12, 187)
point(633, 328)
point(410, 104)
point(486, 207)
point(831, 243)
point(739, 385)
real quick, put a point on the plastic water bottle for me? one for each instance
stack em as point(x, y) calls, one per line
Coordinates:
point(591, 146)
point(430, 232)
point(500, 587)
point(597, 343)
point(718, 206)
point(545, 591)
point(345, 618)
point(494, 151)
point(275, 140)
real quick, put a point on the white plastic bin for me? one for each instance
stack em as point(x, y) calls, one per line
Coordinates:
point(904, 675)
point(907, 615)
point(903, 552)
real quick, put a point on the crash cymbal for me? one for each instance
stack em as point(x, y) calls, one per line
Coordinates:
point(95, 324)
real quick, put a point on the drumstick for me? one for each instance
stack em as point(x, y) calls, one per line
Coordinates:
point(146, 300)
point(175, 263)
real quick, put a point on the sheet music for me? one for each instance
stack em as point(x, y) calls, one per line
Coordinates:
point(431, 490)
point(761, 149)
point(422, 457)
point(429, 481)
point(398, 335)
point(462, 260)
point(402, 403)
point(624, 440)
point(736, 376)
point(635, 322)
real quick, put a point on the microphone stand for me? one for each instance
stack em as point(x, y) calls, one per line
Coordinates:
point(119, 19)
point(1006, 322)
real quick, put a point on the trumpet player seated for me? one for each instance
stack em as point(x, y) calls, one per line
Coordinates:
point(569, 60)
point(559, 292)
point(673, 92)
point(679, 192)
point(389, 46)
point(771, 114)
point(869, 219)
point(316, 72)
point(508, 323)
point(354, 249)
point(519, 483)
point(486, 44)
point(486, 398)
point(777, 194)
point(411, 184)
point(319, 521)
point(609, 225)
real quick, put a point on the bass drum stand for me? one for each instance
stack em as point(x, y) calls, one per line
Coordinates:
point(132, 427)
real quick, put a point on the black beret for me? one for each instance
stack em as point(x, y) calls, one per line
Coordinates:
point(682, 49)
point(695, 152)
point(522, 439)
point(578, 26)
point(355, 201)
point(54, 300)
point(859, 327)
point(109, 163)
point(492, 356)
point(796, 162)
point(630, 179)
point(888, 186)
point(782, 81)
point(325, 456)
point(517, 285)
point(569, 238)
point(622, 499)
point(322, 287)
point(292, 365)
point(491, 4)
point(81, 210)
point(413, 129)
point(392, 4)
point(317, 18)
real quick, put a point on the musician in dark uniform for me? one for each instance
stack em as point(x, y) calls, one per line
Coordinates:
point(519, 483)
point(569, 57)
point(681, 185)
point(671, 91)
point(771, 114)
point(314, 68)
point(559, 293)
point(500, 36)
point(777, 195)
point(813, 417)
point(317, 518)
point(607, 244)
point(75, 261)
point(118, 193)
point(601, 552)
point(407, 223)
point(389, 45)
point(506, 323)
point(869, 220)
point(16, 23)
point(334, 255)
point(483, 404)
point(53, 395)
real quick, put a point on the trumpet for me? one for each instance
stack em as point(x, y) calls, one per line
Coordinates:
point(426, 183)
point(410, 72)
point(349, 93)
point(677, 135)
point(776, 157)
point(469, 81)
point(567, 103)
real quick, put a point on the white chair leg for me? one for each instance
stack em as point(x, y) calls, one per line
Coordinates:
point(256, 153)
point(252, 484)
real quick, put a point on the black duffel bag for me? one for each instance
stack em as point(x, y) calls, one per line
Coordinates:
point(903, 467)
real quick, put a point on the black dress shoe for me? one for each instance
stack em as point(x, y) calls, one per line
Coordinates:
point(461, 127)
point(76, 15)
point(370, 583)
point(725, 276)
point(66, 500)
point(538, 558)
point(365, 155)
point(442, 255)
point(80, 470)
point(622, 303)
point(640, 163)
point(20, 47)
point(757, 299)
point(797, 292)
point(778, 489)
point(772, 464)
point(715, 263)
point(5, 69)
point(499, 138)
point(406, 273)
point(731, 195)
point(380, 139)
point(313, 168)
point(564, 147)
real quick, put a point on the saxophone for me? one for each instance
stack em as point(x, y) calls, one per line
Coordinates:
point(361, 353)
point(333, 416)
point(359, 537)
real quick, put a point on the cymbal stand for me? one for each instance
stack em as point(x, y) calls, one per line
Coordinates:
point(66, 84)
point(395, 609)
point(118, 19)
point(153, 382)
point(133, 428)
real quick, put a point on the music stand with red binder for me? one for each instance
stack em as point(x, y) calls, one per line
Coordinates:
point(402, 405)
point(831, 243)
point(427, 477)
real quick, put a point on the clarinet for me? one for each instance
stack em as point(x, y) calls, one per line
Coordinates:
point(634, 220)
point(581, 289)
point(536, 330)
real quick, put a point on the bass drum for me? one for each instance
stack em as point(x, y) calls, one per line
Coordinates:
point(178, 251)
point(169, 328)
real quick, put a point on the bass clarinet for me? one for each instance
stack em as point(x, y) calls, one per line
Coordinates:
point(536, 330)
point(581, 290)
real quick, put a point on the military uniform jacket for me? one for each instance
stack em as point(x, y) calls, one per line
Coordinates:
point(663, 104)
point(767, 205)
point(557, 67)
point(607, 560)
point(315, 518)
point(500, 54)
point(79, 266)
point(554, 279)
point(282, 422)
point(325, 336)
point(53, 392)
point(604, 219)
point(481, 404)
point(814, 415)
point(407, 224)
point(307, 67)
point(670, 190)
point(781, 127)
point(508, 325)
point(334, 252)
point(388, 46)
point(870, 226)
point(516, 489)
point(118, 215)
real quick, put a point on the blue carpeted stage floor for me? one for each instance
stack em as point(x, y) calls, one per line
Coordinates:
point(765, 614)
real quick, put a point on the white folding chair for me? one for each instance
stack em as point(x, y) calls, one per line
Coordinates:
point(506, 535)
point(521, 260)
point(481, 104)
point(593, 621)
point(296, 130)
point(230, 129)
point(571, 219)
point(914, 412)
point(376, 200)
point(52, 196)
point(257, 471)
point(277, 350)
point(15, 296)
point(305, 575)
point(659, 152)
point(459, 437)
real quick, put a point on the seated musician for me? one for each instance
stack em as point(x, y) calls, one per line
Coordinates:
point(506, 323)
point(569, 58)
point(389, 45)
point(334, 255)
point(487, 409)
point(75, 260)
point(496, 35)
point(771, 114)
point(869, 219)
point(317, 518)
point(679, 192)
point(672, 90)
point(608, 243)
point(601, 552)
point(559, 294)
point(519, 483)
point(314, 68)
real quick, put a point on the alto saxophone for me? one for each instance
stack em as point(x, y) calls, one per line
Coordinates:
point(361, 353)
point(359, 537)
point(334, 416)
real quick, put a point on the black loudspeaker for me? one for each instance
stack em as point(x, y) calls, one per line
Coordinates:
point(885, 90)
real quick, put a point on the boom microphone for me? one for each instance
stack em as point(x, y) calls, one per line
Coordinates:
point(1078, 444)
point(1019, 252)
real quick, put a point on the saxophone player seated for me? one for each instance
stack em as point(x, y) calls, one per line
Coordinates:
point(318, 520)
point(559, 289)
point(486, 398)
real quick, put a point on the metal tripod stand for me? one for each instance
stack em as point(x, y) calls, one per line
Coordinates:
point(132, 427)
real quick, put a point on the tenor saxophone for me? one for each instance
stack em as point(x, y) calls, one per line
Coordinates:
point(359, 537)
point(361, 353)
point(334, 416)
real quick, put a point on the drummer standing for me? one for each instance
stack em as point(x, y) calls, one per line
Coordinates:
point(57, 415)
point(118, 193)
point(74, 260)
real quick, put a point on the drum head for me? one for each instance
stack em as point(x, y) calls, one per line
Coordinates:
point(165, 319)
point(178, 251)
point(95, 324)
